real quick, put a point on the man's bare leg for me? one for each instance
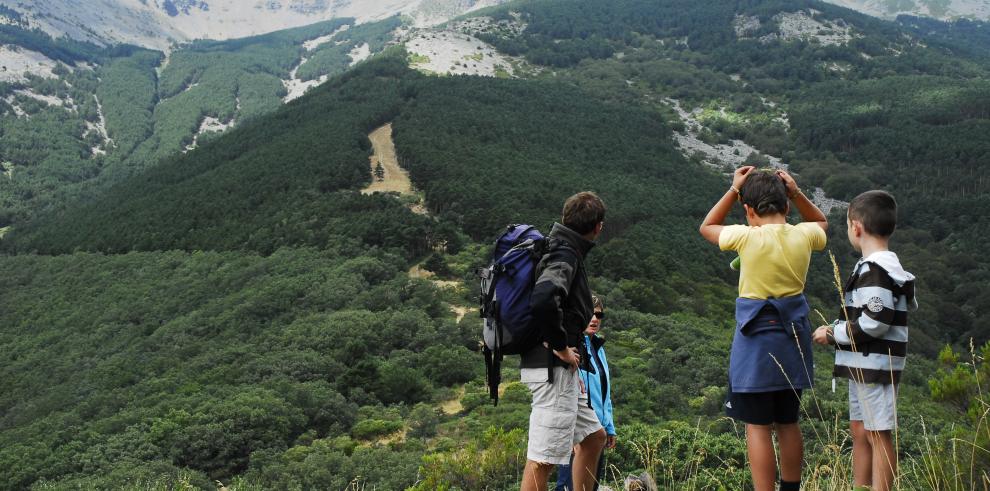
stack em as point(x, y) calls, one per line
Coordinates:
point(535, 476)
point(586, 456)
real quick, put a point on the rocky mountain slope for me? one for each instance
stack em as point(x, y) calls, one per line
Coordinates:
point(159, 23)
point(939, 9)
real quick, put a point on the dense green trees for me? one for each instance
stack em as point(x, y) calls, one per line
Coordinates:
point(153, 106)
point(253, 321)
point(49, 136)
point(163, 361)
point(128, 94)
point(61, 49)
point(333, 58)
point(230, 81)
point(906, 111)
point(966, 35)
point(284, 181)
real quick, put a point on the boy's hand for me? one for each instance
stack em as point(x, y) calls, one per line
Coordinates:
point(822, 335)
point(740, 175)
point(789, 183)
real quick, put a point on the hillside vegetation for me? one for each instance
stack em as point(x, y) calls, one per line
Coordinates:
point(242, 313)
point(106, 114)
point(885, 110)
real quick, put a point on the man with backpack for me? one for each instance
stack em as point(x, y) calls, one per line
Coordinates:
point(561, 307)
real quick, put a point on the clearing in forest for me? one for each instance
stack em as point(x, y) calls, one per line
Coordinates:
point(418, 272)
point(389, 177)
point(386, 175)
point(453, 406)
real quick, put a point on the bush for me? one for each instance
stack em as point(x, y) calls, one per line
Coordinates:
point(372, 428)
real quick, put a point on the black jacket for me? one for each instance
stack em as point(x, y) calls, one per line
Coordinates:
point(561, 301)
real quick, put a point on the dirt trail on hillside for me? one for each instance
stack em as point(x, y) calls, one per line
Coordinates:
point(417, 271)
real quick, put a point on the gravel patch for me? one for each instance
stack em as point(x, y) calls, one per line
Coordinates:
point(727, 157)
point(16, 61)
point(456, 53)
point(360, 53)
point(796, 25)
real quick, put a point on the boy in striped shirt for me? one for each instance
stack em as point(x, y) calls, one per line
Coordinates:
point(871, 337)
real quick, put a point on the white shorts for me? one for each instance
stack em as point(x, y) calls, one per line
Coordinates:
point(560, 418)
point(873, 404)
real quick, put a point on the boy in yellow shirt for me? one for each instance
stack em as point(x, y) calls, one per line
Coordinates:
point(770, 361)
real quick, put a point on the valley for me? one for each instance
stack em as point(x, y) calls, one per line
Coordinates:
point(249, 262)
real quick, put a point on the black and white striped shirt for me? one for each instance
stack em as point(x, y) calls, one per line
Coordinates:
point(872, 346)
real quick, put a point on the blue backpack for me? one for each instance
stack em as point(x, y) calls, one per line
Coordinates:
point(506, 285)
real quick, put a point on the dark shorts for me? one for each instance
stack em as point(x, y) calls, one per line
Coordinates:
point(764, 408)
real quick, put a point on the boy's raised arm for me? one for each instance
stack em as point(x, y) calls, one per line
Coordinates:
point(808, 210)
point(712, 226)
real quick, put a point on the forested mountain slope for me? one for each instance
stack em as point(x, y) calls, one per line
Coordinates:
point(243, 313)
point(850, 102)
point(84, 117)
point(303, 198)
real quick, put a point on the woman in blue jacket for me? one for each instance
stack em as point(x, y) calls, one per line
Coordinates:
point(598, 391)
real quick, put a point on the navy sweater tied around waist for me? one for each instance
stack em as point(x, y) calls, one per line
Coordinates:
point(771, 348)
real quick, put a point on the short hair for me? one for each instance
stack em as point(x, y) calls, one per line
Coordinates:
point(597, 303)
point(876, 210)
point(582, 212)
point(764, 192)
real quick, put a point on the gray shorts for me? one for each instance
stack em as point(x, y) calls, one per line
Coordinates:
point(560, 417)
point(873, 404)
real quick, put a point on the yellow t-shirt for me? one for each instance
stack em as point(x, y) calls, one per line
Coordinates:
point(774, 258)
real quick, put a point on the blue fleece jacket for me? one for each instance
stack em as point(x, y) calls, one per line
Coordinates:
point(601, 403)
point(771, 352)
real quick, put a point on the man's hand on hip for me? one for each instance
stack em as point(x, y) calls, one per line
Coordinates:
point(570, 356)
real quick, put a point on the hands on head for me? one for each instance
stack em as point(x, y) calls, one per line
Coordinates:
point(711, 226)
point(740, 175)
point(789, 183)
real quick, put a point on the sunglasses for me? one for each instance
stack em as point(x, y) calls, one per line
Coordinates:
point(599, 315)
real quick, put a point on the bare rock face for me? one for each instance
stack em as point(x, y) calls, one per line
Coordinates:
point(746, 26)
point(17, 62)
point(939, 9)
point(158, 24)
point(802, 24)
point(174, 7)
point(310, 7)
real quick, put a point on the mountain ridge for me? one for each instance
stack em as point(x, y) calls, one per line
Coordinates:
point(937, 9)
point(158, 24)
